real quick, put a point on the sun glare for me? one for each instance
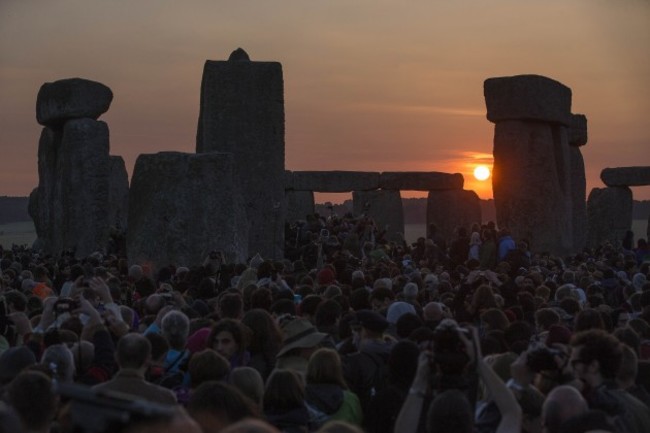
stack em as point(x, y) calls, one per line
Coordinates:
point(481, 172)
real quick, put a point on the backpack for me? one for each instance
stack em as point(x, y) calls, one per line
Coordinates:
point(174, 374)
point(366, 374)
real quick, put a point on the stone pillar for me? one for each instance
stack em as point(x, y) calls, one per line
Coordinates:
point(610, 215)
point(175, 218)
point(451, 209)
point(384, 207)
point(299, 205)
point(577, 138)
point(76, 198)
point(118, 196)
point(532, 160)
point(242, 112)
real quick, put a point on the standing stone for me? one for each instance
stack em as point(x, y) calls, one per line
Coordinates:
point(183, 206)
point(610, 215)
point(71, 98)
point(578, 198)
point(82, 187)
point(533, 164)
point(42, 204)
point(578, 130)
point(118, 198)
point(530, 184)
point(242, 112)
point(451, 209)
point(384, 207)
point(299, 205)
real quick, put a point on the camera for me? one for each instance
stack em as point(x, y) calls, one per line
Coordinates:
point(449, 350)
point(543, 358)
point(65, 305)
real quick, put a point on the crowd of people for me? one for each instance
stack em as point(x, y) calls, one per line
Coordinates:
point(350, 332)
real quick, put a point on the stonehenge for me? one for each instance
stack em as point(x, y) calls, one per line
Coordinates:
point(610, 208)
point(183, 206)
point(538, 174)
point(378, 195)
point(242, 112)
point(234, 194)
point(81, 193)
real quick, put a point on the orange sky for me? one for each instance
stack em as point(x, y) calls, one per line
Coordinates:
point(371, 85)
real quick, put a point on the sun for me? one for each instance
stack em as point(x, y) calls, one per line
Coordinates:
point(481, 172)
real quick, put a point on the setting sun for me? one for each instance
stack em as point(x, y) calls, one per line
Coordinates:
point(481, 172)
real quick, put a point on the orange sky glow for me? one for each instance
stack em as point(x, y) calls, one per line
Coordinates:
point(370, 85)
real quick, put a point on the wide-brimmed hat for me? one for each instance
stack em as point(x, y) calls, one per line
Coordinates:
point(300, 333)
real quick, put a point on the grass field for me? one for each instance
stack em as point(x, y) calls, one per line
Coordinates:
point(17, 233)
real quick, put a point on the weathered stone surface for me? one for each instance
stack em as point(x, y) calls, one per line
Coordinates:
point(451, 209)
point(182, 206)
point(610, 215)
point(71, 207)
point(118, 196)
point(420, 181)
point(299, 205)
point(335, 181)
point(626, 176)
point(578, 198)
point(42, 206)
point(242, 112)
point(531, 184)
point(288, 180)
point(527, 97)
point(578, 130)
point(71, 98)
point(384, 207)
point(82, 187)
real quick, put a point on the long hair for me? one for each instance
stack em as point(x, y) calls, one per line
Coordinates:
point(324, 367)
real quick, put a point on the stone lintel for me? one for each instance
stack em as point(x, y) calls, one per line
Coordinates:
point(335, 181)
point(626, 176)
point(420, 180)
point(527, 97)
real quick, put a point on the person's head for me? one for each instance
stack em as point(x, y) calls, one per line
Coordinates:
point(562, 403)
point(435, 311)
point(324, 367)
point(208, 365)
point(301, 338)
point(588, 319)
point(175, 327)
point(133, 351)
point(228, 338)
point(596, 356)
point(450, 411)
point(628, 370)
point(380, 298)
point(215, 405)
point(284, 391)
point(483, 298)
point(31, 395)
point(58, 359)
point(249, 382)
point(545, 318)
point(231, 306)
point(494, 319)
point(266, 335)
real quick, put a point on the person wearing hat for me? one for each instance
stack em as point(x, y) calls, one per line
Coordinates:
point(366, 370)
point(301, 339)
